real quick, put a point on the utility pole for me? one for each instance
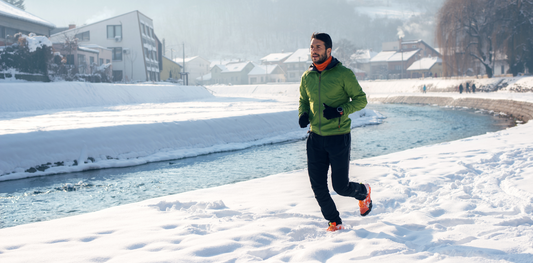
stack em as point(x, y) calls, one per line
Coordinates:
point(186, 76)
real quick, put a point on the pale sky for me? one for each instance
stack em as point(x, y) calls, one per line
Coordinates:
point(65, 12)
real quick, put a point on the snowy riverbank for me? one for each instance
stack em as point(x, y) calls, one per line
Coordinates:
point(42, 132)
point(463, 201)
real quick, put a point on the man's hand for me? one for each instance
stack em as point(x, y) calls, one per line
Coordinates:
point(332, 113)
point(304, 120)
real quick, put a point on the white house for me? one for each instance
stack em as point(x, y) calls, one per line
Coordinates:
point(425, 67)
point(266, 73)
point(197, 67)
point(231, 73)
point(131, 37)
point(297, 63)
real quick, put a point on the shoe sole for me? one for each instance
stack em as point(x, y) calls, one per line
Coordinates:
point(369, 209)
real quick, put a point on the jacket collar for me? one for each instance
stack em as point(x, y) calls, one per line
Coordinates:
point(332, 64)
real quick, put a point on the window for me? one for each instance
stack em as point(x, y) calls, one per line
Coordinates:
point(81, 63)
point(70, 59)
point(117, 53)
point(503, 70)
point(101, 61)
point(144, 29)
point(2, 32)
point(107, 61)
point(84, 36)
point(114, 31)
point(11, 31)
point(91, 60)
point(147, 53)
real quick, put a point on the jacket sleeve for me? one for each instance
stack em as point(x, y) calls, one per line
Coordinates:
point(356, 94)
point(303, 105)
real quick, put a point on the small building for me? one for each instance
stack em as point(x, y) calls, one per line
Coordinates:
point(170, 71)
point(397, 57)
point(232, 73)
point(135, 49)
point(276, 59)
point(105, 55)
point(14, 20)
point(410, 45)
point(380, 65)
point(265, 74)
point(85, 59)
point(196, 67)
point(426, 67)
point(360, 62)
point(296, 64)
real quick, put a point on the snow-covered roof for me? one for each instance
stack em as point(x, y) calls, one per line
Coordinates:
point(17, 13)
point(393, 56)
point(407, 42)
point(363, 55)
point(204, 77)
point(382, 56)
point(93, 46)
point(263, 69)
point(275, 57)
point(220, 66)
point(398, 56)
point(187, 60)
point(425, 63)
point(300, 55)
point(235, 67)
point(222, 62)
point(86, 49)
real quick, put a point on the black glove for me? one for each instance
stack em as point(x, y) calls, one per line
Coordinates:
point(332, 113)
point(304, 120)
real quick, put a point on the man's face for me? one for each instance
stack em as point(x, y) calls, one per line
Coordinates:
point(319, 53)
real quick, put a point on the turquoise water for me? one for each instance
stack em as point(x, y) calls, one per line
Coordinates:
point(49, 197)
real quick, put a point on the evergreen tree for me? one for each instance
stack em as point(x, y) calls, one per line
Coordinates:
point(17, 3)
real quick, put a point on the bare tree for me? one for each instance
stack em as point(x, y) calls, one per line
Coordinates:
point(132, 56)
point(17, 3)
point(465, 33)
point(343, 50)
point(516, 18)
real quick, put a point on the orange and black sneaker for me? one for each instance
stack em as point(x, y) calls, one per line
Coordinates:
point(366, 205)
point(334, 227)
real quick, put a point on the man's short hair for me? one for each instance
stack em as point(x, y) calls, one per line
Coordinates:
point(324, 37)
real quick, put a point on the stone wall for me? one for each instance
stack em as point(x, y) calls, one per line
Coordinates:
point(518, 109)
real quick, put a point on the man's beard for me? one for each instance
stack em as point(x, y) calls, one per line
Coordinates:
point(321, 58)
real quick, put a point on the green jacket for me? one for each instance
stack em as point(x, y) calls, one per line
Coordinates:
point(336, 86)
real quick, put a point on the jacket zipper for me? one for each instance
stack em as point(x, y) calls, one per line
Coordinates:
point(319, 104)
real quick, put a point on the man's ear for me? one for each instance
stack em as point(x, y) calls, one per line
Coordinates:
point(328, 51)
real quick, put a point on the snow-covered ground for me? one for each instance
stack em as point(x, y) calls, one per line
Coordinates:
point(462, 201)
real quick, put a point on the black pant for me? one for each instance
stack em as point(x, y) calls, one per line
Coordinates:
point(323, 151)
